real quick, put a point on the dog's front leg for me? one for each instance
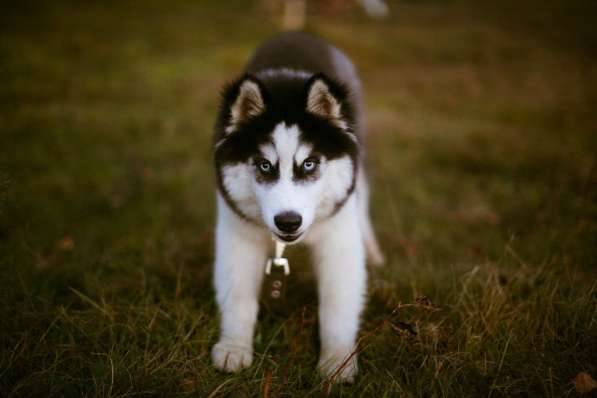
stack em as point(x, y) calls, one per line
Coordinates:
point(341, 273)
point(241, 251)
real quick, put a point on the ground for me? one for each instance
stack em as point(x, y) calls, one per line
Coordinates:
point(482, 160)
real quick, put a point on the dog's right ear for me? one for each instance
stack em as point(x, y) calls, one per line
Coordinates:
point(245, 99)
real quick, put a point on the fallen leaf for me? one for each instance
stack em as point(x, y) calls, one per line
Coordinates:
point(67, 243)
point(189, 385)
point(402, 327)
point(409, 247)
point(584, 383)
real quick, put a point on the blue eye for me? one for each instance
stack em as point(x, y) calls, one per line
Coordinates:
point(264, 166)
point(309, 165)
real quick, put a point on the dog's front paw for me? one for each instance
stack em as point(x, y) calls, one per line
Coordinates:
point(229, 357)
point(339, 367)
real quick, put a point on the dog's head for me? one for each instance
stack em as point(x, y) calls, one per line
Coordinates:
point(285, 153)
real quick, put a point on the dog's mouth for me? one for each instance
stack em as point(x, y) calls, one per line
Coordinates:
point(289, 238)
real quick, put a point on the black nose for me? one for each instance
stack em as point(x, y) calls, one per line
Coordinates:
point(288, 222)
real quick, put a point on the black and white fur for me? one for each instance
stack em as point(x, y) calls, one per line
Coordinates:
point(288, 160)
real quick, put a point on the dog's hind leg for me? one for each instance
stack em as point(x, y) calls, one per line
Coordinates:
point(374, 253)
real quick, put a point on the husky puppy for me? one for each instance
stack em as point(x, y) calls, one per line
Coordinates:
point(288, 161)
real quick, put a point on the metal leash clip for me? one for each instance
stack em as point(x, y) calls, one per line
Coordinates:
point(278, 260)
point(275, 284)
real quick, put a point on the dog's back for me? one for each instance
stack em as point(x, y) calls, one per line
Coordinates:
point(299, 51)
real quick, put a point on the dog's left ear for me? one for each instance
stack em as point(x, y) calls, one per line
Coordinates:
point(325, 98)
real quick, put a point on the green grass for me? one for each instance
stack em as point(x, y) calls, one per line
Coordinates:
point(482, 160)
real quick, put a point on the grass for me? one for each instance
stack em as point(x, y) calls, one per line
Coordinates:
point(482, 159)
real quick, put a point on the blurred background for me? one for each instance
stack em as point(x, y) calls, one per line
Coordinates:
point(481, 151)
